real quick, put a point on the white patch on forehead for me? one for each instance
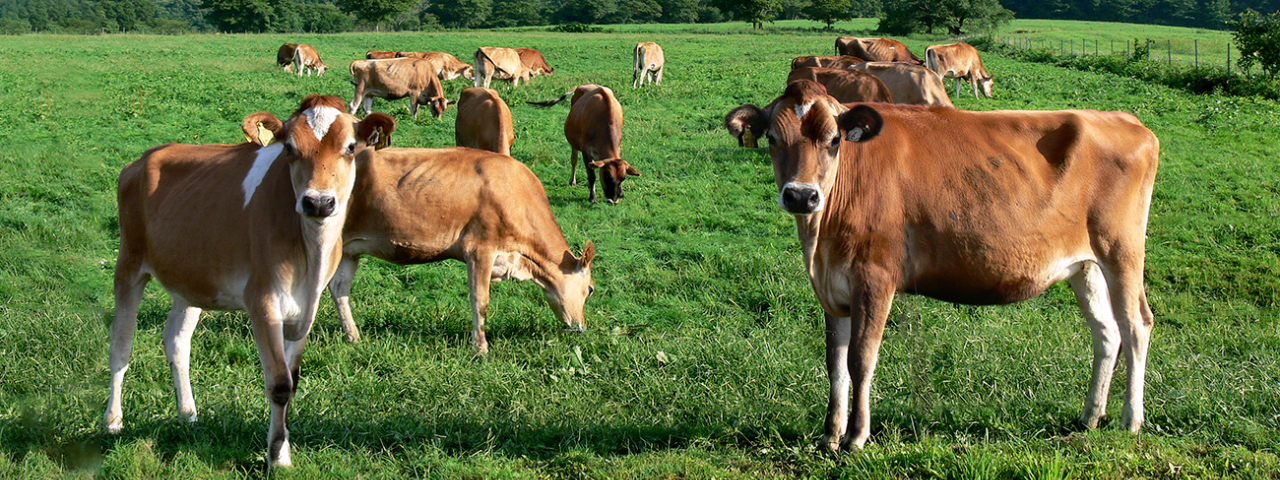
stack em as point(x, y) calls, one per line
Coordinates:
point(802, 109)
point(320, 118)
point(266, 156)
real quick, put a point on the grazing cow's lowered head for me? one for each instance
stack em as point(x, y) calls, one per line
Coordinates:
point(568, 295)
point(436, 100)
point(737, 121)
point(805, 128)
point(613, 172)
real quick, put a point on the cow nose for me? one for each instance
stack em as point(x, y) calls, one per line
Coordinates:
point(319, 206)
point(800, 199)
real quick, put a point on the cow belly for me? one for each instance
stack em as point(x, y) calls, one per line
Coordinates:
point(986, 281)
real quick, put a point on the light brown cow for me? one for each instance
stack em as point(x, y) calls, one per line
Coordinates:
point(909, 84)
point(981, 208)
point(959, 60)
point(379, 54)
point(876, 50)
point(447, 66)
point(239, 227)
point(846, 86)
point(484, 121)
point(397, 78)
point(500, 63)
point(594, 127)
point(534, 61)
point(305, 57)
point(284, 56)
point(825, 61)
point(648, 60)
point(414, 205)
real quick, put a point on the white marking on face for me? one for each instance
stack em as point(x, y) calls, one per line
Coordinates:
point(266, 156)
point(802, 109)
point(321, 118)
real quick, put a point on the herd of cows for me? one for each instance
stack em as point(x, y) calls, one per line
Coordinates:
point(892, 188)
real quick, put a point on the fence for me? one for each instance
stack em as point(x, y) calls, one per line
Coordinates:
point(1187, 51)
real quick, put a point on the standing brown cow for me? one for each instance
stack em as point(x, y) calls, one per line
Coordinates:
point(594, 127)
point(397, 78)
point(648, 65)
point(305, 57)
point(284, 56)
point(959, 60)
point(846, 86)
point(447, 66)
point(500, 63)
point(876, 50)
point(484, 121)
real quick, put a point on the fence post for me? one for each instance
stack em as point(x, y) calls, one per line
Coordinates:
point(1228, 59)
point(1095, 47)
point(1169, 51)
point(1073, 47)
point(1113, 46)
point(1197, 54)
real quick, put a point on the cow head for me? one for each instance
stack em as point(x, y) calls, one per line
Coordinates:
point(438, 104)
point(319, 142)
point(568, 296)
point(613, 172)
point(737, 121)
point(468, 71)
point(806, 128)
point(320, 68)
point(986, 84)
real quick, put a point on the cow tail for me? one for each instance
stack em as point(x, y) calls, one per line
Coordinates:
point(549, 103)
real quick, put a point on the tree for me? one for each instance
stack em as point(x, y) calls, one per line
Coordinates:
point(517, 13)
point(680, 11)
point(1258, 36)
point(865, 8)
point(986, 14)
point(237, 16)
point(127, 14)
point(585, 11)
point(637, 11)
point(900, 17)
point(461, 13)
point(755, 11)
point(376, 11)
point(829, 11)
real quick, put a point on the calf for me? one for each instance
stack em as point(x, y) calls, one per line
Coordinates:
point(648, 59)
point(398, 78)
point(910, 84)
point(959, 60)
point(967, 207)
point(305, 57)
point(876, 50)
point(484, 121)
point(379, 54)
point(284, 56)
point(825, 61)
point(489, 211)
point(499, 63)
point(447, 66)
point(846, 86)
point(239, 227)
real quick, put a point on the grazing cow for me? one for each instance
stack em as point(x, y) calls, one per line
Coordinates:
point(910, 84)
point(534, 62)
point(979, 208)
point(594, 127)
point(648, 60)
point(846, 86)
point(398, 78)
point(500, 63)
point(737, 121)
point(876, 50)
point(305, 57)
point(415, 205)
point(379, 54)
point(447, 66)
point(959, 60)
point(825, 61)
point(284, 56)
point(484, 121)
point(240, 227)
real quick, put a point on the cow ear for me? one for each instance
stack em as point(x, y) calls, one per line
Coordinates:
point(588, 254)
point(860, 123)
point(632, 171)
point(596, 164)
point(375, 130)
point(747, 121)
point(262, 128)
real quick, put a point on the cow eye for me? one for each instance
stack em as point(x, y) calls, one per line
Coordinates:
point(351, 148)
point(835, 141)
point(590, 290)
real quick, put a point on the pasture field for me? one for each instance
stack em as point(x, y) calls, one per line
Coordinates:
point(704, 351)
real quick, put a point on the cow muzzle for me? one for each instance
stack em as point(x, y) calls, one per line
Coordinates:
point(318, 204)
point(800, 198)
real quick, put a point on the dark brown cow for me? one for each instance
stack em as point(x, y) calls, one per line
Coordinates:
point(447, 66)
point(534, 62)
point(979, 208)
point(959, 60)
point(306, 58)
point(594, 127)
point(379, 54)
point(397, 78)
point(825, 61)
point(876, 50)
point(284, 56)
point(484, 121)
point(239, 227)
point(846, 86)
point(415, 205)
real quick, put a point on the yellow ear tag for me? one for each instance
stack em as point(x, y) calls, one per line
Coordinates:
point(264, 135)
point(384, 140)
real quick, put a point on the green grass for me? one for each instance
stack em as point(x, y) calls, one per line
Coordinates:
point(704, 355)
point(1176, 43)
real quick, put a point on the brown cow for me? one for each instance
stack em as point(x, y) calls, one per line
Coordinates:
point(484, 121)
point(305, 57)
point(982, 208)
point(379, 54)
point(534, 61)
point(825, 61)
point(876, 50)
point(959, 60)
point(910, 84)
point(415, 205)
point(397, 78)
point(284, 56)
point(648, 60)
point(846, 86)
point(594, 127)
point(239, 227)
point(500, 63)
point(447, 66)
point(738, 123)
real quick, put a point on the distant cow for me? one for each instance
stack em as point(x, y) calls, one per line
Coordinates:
point(738, 123)
point(846, 86)
point(500, 63)
point(974, 208)
point(397, 78)
point(876, 50)
point(959, 60)
point(594, 127)
point(417, 205)
point(825, 61)
point(379, 54)
point(534, 62)
point(648, 60)
point(910, 84)
point(484, 121)
point(305, 57)
point(284, 56)
point(447, 66)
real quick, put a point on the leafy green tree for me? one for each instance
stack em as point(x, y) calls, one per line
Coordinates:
point(637, 11)
point(900, 17)
point(865, 8)
point(376, 12)
point(324, 18)
point(1258, 36)
point(585, 11)
point(461, 13)
point(754, 11)
point(516, 13)
point(829, 11)
point(238, 16)
point(985, 14)
point(680, 11)
point(127, 14)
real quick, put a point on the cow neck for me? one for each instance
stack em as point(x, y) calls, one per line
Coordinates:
point(545, 264)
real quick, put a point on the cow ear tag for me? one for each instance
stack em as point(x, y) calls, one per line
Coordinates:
point(384, 140)
point(265, 137)
point(854, 135)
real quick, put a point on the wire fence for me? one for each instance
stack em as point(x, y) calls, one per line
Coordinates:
point(1194, 52)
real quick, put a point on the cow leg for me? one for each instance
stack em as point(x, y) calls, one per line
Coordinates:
point(591, 182)
point(479, 272)
point(838, 373)
point(635, 78)
point(1095, 303)
point(355, 100)
point(659, 79)
point(177, 347)
point(269, 335)
point(368, 106)
point(1135, 320)
point(340, 289)
point(413, 104)
point(130, 281)
point(870, 311)
point(573, 166)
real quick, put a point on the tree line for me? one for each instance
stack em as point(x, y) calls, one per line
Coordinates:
point(897, 17)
